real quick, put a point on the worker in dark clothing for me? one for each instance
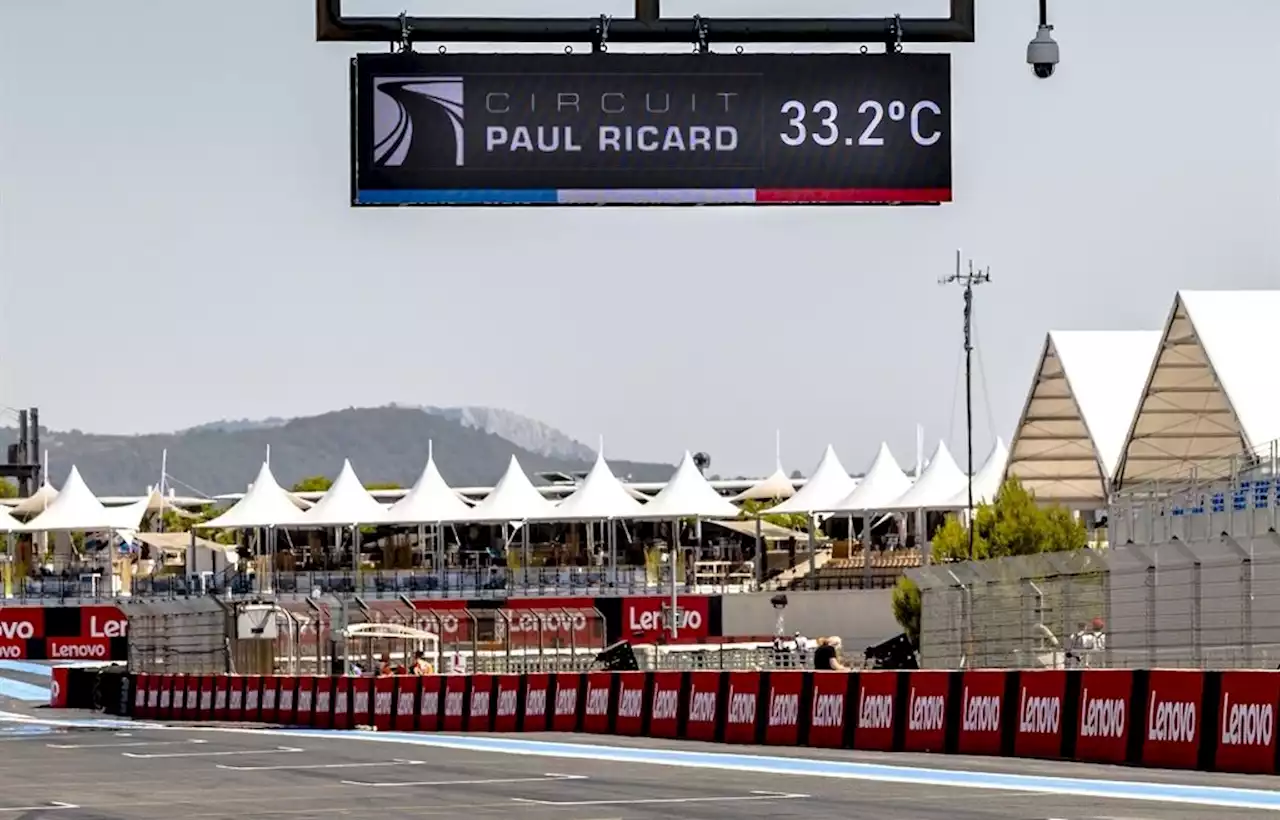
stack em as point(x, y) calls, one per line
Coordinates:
point(827, 656)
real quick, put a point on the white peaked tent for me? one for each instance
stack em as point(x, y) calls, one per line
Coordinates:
point(829, 484)
point(986, 480)
point(77, 509)
point(883, 484)
point(513, 499)
point(600, 497)
point(8, 523)
point(37, 502)
point(346, 504)
point(936, 486)
point(688, 495)
point(776, 485)
point(267, 504)
point(429, 501)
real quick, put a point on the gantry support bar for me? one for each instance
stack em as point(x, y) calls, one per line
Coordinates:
point(646, 27)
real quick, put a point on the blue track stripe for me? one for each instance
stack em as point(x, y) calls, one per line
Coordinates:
point(466, 196)
point(23, 691)
point(28, 668)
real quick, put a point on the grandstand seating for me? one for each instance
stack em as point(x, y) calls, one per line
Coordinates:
point(853, 573)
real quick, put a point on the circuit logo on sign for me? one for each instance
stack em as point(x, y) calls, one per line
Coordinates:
point(401, 104)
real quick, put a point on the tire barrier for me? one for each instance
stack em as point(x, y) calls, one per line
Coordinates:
point(1215, 721)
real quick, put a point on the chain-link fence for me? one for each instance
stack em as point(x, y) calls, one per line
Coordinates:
point(188, 637)
point(1212, 604)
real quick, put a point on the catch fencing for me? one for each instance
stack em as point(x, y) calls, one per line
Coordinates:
point(1212, 604)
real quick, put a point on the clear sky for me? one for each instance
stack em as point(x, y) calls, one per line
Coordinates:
point(176, 244)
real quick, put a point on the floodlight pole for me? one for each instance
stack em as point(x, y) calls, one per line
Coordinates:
point(968, 281)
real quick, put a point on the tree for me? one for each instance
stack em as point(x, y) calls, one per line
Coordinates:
point(8, 489)
point(790, 521)
point(313, 484)
point(1014, 525)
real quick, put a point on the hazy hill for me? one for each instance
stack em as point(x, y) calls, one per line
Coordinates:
point(384, 444)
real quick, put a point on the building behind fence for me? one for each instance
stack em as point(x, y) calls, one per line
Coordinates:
point(1192, 579)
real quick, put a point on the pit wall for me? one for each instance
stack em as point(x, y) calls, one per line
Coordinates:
point(1214, 721)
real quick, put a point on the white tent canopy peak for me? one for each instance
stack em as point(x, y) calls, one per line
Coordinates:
point(346, 503)
point(688, 495)
point(600, 496)
point(514, 498)
point(936, 486)
point(883, 484)
point(429, 501)
point(829, 484)
point(266, 504)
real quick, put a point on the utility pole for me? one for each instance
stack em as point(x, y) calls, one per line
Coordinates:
point(968, 281)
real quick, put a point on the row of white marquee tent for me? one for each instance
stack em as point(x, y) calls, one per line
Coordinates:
point(884, 488)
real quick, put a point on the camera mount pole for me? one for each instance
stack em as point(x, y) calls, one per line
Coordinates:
point(968, 281)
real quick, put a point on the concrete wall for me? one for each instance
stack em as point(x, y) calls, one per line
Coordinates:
point(860, 617)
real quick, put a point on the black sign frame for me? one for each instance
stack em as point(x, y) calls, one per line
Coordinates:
point(718, 121)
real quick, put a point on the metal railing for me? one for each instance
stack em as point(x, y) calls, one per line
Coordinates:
point(1211, 604)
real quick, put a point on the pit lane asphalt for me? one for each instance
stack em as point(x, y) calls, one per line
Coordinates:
point(188, 772)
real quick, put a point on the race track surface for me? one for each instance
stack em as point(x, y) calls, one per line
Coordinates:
point(103, 770)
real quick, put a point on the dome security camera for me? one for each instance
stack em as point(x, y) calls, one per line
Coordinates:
point(1042, 52)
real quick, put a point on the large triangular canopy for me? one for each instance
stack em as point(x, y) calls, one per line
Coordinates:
point(37, 502)
point(8, 523)
point(346, 504)
point(267, 504)
point(986, 481)
point(828, 486)
point(883, 484)
point(1078, 411)
point(688, 495)
point(77, 509)
point(937, 485)
point(776, 485)
point(1211, 393)
point(429, 501)
point(600, 497)
point(514, 498)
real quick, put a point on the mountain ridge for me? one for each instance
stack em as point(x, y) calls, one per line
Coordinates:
point(384, 444)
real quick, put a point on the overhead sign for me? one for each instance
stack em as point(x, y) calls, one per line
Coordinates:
point(731, 129)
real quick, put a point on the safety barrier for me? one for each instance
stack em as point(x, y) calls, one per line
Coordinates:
point(1216, 721)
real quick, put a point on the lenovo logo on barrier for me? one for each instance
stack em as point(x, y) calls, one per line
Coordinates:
point(304, 701)
point(1101, 717)
point(828, 711)
point(784, 710)
point(479, 704)
point(702, 706)
point(597, 701)
point(631, 703)
point(1247, 724)
point(17, 630)
point(382, 703)
point(535, 702)
point(286, 700)
point(742, 706)
point(666, 703)
point(1039, 715)
point(506, 702)
point(927, 713)
point(404, 704)
point(362, 703)
point(981, 713)
point(453, 704)
point(1169, 720)
point(566, 701)
point(875, 712)
point(430, 703)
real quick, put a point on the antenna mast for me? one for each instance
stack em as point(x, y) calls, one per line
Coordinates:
point(968, 281)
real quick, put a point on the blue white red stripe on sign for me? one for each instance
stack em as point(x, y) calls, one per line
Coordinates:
point(660, 196)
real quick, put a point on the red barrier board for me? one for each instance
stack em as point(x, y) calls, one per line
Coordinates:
point(1173, 719)
point(322, 703)
point(629, 719)
point(384, 692)
point(595, 711)
point(141, 688)
point(505, 713)
point(235, 698)
point(362, 701)
point(1247, 722)
point(304, 712)
point(782, 726)
point(1039, 728)
point(163, 709)
point(876, 694)
point(740, 724)
point(703, 702)
point(981, 708)
point(536, 715)
point(406, 717)
point(191, 698)
point(253, 697)
point(1103, 728)
point(221, 697)
point(481, 707)
point(58, 687)
point(664, 704)
point(176, 695)
point(455, 693)
point(827, 712)
point(430, 703)
point(564, 717)
point(927, 694)
point(285, 700)
point(270, 697)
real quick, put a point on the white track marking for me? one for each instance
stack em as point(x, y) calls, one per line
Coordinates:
point(279, 750)
point(755, 795)
point(547, 778)
point(122, 745)
point(52, 805)
point(321, 766)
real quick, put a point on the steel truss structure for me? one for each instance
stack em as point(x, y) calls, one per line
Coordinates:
point(647, 26)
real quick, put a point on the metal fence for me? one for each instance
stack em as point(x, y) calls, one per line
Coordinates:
point(1213, 604)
